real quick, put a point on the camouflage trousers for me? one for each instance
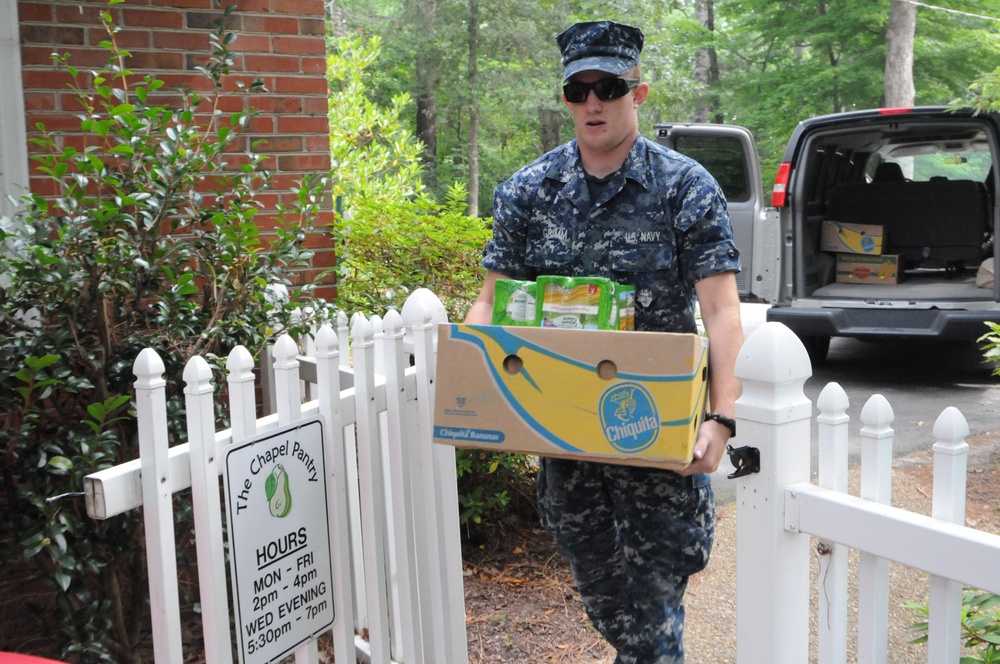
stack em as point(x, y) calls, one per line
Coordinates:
point(632, 537)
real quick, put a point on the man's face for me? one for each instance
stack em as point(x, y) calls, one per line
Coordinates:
point(603, 126)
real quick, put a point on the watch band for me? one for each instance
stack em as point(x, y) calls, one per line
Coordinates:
point(727, 422)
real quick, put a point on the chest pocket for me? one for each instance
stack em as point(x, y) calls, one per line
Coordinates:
point(643, 251)
point(551, 239)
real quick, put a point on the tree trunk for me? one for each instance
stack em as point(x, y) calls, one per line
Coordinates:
point(473, 108)
point(549, 129)
point(422, 20)
point(898, 80)
point(706, 67)
point(427, 129)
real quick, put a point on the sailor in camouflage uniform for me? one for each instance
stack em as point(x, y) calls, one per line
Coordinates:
point(613, 204)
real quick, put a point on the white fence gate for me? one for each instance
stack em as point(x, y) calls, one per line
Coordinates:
point(393, 499)
point(397, 557)
point(779, 508)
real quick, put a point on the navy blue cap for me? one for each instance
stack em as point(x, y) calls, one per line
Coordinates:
point(599, 45)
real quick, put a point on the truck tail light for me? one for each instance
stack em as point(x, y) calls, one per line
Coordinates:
point(780, 192)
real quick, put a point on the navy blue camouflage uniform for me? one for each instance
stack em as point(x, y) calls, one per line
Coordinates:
point(632, 535)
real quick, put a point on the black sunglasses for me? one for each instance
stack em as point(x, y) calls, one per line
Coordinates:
point(606, 89)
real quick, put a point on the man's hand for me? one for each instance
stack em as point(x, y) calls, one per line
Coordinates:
point(708, 448)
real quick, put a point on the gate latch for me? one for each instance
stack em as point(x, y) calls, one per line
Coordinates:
point(745, 459)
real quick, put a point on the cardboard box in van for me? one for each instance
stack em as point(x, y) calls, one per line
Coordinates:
point(851, 238)
point(635, 398)
point(860, 269)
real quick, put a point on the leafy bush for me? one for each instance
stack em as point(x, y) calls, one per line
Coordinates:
point(393, 237)
point(980, 626)
point(991, 347)
point(150, 241)
point(492, 484)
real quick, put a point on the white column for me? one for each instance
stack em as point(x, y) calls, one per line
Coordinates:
point(833, 474)
point(772, 564)
point(13, 136)
point(951, 454)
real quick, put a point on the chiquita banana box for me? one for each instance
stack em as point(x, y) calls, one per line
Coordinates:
point(858, 269)
point(634, 398)
point(851, 238)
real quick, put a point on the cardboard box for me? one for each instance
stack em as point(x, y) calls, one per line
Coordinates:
point(861, 269)
point(851, 238)
point(634, 398)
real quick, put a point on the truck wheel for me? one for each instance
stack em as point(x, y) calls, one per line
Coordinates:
point(817, 347)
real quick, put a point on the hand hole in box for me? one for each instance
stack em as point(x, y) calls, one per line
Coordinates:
point(607, 369)
point(512, 364)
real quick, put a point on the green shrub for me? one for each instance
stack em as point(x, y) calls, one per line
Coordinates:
point(991, 347)
point(980, 626)
point(393, 238)
point(149, 242)
point(491, 486)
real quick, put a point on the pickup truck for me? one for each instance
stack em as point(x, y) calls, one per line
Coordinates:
point(918, 184)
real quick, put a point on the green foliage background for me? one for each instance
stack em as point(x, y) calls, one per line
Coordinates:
point(779, 62)
point(393, 237)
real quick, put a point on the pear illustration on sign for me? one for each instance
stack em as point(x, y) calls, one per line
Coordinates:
point(279, 497)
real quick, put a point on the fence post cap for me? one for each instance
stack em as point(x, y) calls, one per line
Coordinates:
point(951, 426)
point(326, 341)
point(421, 304)
point(773, 353)
point(197, 375)
point(392, 324)
point(773, 366)
point(833, 399)
point(148, 363)
point(239, 360)
point(285, 349)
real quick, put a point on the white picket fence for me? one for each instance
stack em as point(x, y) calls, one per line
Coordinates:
point(778, 509)
point(393, 500)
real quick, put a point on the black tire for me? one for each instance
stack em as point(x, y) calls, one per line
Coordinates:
point(817, 347)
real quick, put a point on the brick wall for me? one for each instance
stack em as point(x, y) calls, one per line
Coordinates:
point(281, 42)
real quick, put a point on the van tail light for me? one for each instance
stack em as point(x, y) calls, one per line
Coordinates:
point(780, 193)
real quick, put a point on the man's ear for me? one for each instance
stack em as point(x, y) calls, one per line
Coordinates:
point(640, 94)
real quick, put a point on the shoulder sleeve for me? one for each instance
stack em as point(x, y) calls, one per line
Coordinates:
point(514, 207)
point(706, 246)
point(504, 252)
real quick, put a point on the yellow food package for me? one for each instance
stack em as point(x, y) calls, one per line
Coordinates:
point(584, 303)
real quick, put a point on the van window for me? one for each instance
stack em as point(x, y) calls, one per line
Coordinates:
point(723, 158)
point(964, 165)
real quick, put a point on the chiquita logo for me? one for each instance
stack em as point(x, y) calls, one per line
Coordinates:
point(629, 417)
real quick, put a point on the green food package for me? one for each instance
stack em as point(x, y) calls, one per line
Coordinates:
point(514, 302)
